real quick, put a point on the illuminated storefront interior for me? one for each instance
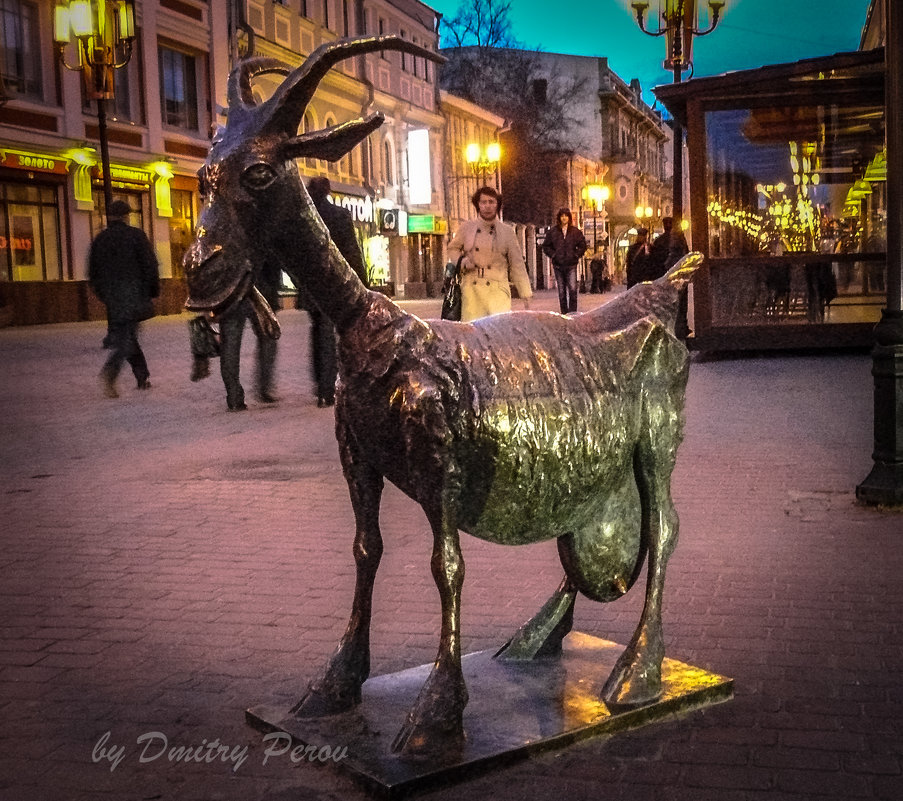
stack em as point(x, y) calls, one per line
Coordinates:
point(787, 186)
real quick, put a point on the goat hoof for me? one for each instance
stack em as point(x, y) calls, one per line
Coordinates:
point(634, 682)
point(426, 738)
point(317, 704)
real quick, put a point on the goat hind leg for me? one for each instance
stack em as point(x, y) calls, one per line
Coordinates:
point(542, 634)
point(637, 676)
point(339, 686)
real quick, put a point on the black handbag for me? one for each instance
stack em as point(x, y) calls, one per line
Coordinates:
point(204, 338)
point(451, 302)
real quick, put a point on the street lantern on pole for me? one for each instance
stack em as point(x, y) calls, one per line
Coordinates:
point(484, 160)
point(884, 483)
point(104, 33)
point(679, 24)
point(596, 195)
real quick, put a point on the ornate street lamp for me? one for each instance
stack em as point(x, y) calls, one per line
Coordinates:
point(596, 195)
point(679, 24)
point(104, 33)
point(483, 160)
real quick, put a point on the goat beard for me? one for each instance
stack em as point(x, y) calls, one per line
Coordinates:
point(266, 317)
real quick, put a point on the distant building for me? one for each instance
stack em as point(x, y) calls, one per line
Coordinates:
point(608, 136)
point(467, 124)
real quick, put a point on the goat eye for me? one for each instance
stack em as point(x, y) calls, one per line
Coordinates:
point(258, 176)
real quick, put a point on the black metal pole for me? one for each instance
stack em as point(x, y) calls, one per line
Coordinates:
point(104, 153)
point(884, 484)
point(678, 177)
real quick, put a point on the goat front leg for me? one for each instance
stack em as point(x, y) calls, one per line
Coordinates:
point(435, 723)
point(637, 675)
point(339, 687)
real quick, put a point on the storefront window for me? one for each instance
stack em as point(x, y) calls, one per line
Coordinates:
point(29, 233)
point(796, 212)
point(181, 228)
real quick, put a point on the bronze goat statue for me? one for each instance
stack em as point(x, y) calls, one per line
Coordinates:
point(516, 428)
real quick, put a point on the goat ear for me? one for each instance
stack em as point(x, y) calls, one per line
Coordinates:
point(332, 143)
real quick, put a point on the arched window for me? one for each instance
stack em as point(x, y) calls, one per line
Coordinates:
point(308, 125)
point(370, 168)
point(388, 163)
point(331, 166)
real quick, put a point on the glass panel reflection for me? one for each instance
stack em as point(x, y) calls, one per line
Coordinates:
point(797, 215)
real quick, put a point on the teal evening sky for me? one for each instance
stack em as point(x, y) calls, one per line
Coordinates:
point(752, 33)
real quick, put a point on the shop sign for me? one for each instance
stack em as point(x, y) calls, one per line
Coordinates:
point(129, 174)
point(388, 220)
point(427, 224)
point(21, 243)
point(421, 223)
point(361, 208)
point(35, 162)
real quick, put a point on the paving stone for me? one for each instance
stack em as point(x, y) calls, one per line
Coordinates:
point(170, 564)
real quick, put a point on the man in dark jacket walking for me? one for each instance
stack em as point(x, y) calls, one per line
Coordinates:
point(122, 271)
point(665, 252)
point(564, 245)
point(322, 331)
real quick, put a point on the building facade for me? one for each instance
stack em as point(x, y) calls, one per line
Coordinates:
point(612, 139)
point(158, 123)
point(466, 125)
point(167, 100)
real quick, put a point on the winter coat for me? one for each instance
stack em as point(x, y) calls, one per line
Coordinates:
point(122, 271)
point(341, 230)
point(493, 261)
point(563, 249)
point(637, 263)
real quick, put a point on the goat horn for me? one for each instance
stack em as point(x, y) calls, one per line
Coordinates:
point(239, 90)
point(291, 98)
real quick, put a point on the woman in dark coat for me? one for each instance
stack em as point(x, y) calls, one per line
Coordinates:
point(564, 245)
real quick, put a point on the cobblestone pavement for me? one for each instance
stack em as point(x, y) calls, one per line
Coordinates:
point(166, 564)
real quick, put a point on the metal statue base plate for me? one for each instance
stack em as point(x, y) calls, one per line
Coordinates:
point(515, 709)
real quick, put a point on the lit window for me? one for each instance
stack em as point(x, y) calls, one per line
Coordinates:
point(178, 87)
point(20, 63)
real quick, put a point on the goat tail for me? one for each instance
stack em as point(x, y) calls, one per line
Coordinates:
point(681, 273)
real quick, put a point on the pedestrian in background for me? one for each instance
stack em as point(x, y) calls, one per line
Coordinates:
point(564, 245)
point(122, 272)
point(492, 261)
point(598, 268)
point(231, 330)
point(637, 258)
point(666, 251)
point(322, 332)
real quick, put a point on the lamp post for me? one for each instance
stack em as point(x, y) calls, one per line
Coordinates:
point(884, 484)
point(679, 24)
point(644, 216)
point(597, 195)
point(104, 33)
point(484, 160)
